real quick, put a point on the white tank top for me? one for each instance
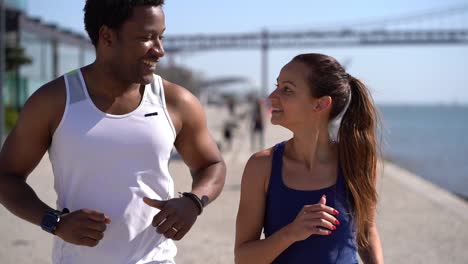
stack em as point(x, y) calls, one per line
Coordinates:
point(108, 163)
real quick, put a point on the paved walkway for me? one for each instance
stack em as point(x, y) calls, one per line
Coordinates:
point(418, 222)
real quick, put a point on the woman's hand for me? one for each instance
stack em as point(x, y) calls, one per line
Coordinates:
point(316, 219)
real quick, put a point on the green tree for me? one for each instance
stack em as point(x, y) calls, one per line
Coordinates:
point(15, 57)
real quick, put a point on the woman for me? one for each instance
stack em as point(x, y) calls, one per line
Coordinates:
point(315, 194)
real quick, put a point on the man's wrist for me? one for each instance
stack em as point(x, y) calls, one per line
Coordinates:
point(51, 220)
point(195, 199)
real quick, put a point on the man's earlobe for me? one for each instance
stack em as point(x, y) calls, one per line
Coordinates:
point(105, 36)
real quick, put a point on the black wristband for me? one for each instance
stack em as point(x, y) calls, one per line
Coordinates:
point(198, 202)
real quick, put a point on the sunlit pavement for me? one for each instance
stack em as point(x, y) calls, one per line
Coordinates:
point(418, 222)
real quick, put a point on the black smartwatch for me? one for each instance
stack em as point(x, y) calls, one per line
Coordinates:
point(51, 219)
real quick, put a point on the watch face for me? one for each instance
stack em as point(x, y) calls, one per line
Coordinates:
point(49, 221)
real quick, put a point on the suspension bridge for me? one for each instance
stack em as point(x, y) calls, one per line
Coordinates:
point(437, 27)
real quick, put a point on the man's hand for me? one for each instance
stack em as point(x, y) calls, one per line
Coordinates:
point(176, 217)
point(83, 227)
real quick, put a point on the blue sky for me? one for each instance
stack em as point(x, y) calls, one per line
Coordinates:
point(403, 74)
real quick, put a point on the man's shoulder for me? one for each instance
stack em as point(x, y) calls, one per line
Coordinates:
point(49, 99)
point(53, 90)
point(175, 91)
point(184, 108)
point(176, 94)
point(44, 108)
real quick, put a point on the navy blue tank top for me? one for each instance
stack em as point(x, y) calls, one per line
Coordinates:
point(282, 206)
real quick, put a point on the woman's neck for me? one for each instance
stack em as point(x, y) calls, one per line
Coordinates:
point(312, 146)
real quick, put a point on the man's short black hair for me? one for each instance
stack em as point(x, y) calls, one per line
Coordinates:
point(112, 13)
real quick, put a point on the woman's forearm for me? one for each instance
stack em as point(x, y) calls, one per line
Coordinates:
point(373, 254)
point(264, 250)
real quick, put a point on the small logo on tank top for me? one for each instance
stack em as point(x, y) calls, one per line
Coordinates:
point(151, 114)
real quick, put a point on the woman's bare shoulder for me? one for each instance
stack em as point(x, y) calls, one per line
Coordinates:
point(258, 169)
point(261, 158)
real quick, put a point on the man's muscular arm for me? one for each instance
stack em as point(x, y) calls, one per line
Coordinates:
point(200, 153)
point(23, 150)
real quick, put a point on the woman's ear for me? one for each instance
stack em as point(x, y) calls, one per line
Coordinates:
point(322, 103)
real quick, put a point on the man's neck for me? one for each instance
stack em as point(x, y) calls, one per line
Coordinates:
point(101, 81)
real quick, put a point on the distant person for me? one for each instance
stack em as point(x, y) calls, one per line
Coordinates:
point(228, 133)
point(231, 104)
point(257, 137)
point(109, 129)
point(313, 195)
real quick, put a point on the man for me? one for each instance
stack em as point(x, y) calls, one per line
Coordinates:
point(109, 129)
point(257, 126)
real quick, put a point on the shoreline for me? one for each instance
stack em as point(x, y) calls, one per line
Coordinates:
point(415, 173)
point(461, 197)
point(426, 189)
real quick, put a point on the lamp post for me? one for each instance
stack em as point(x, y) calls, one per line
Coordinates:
point(2, 67)
point(264, 70)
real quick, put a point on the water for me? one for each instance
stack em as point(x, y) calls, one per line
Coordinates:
point(431, 141)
